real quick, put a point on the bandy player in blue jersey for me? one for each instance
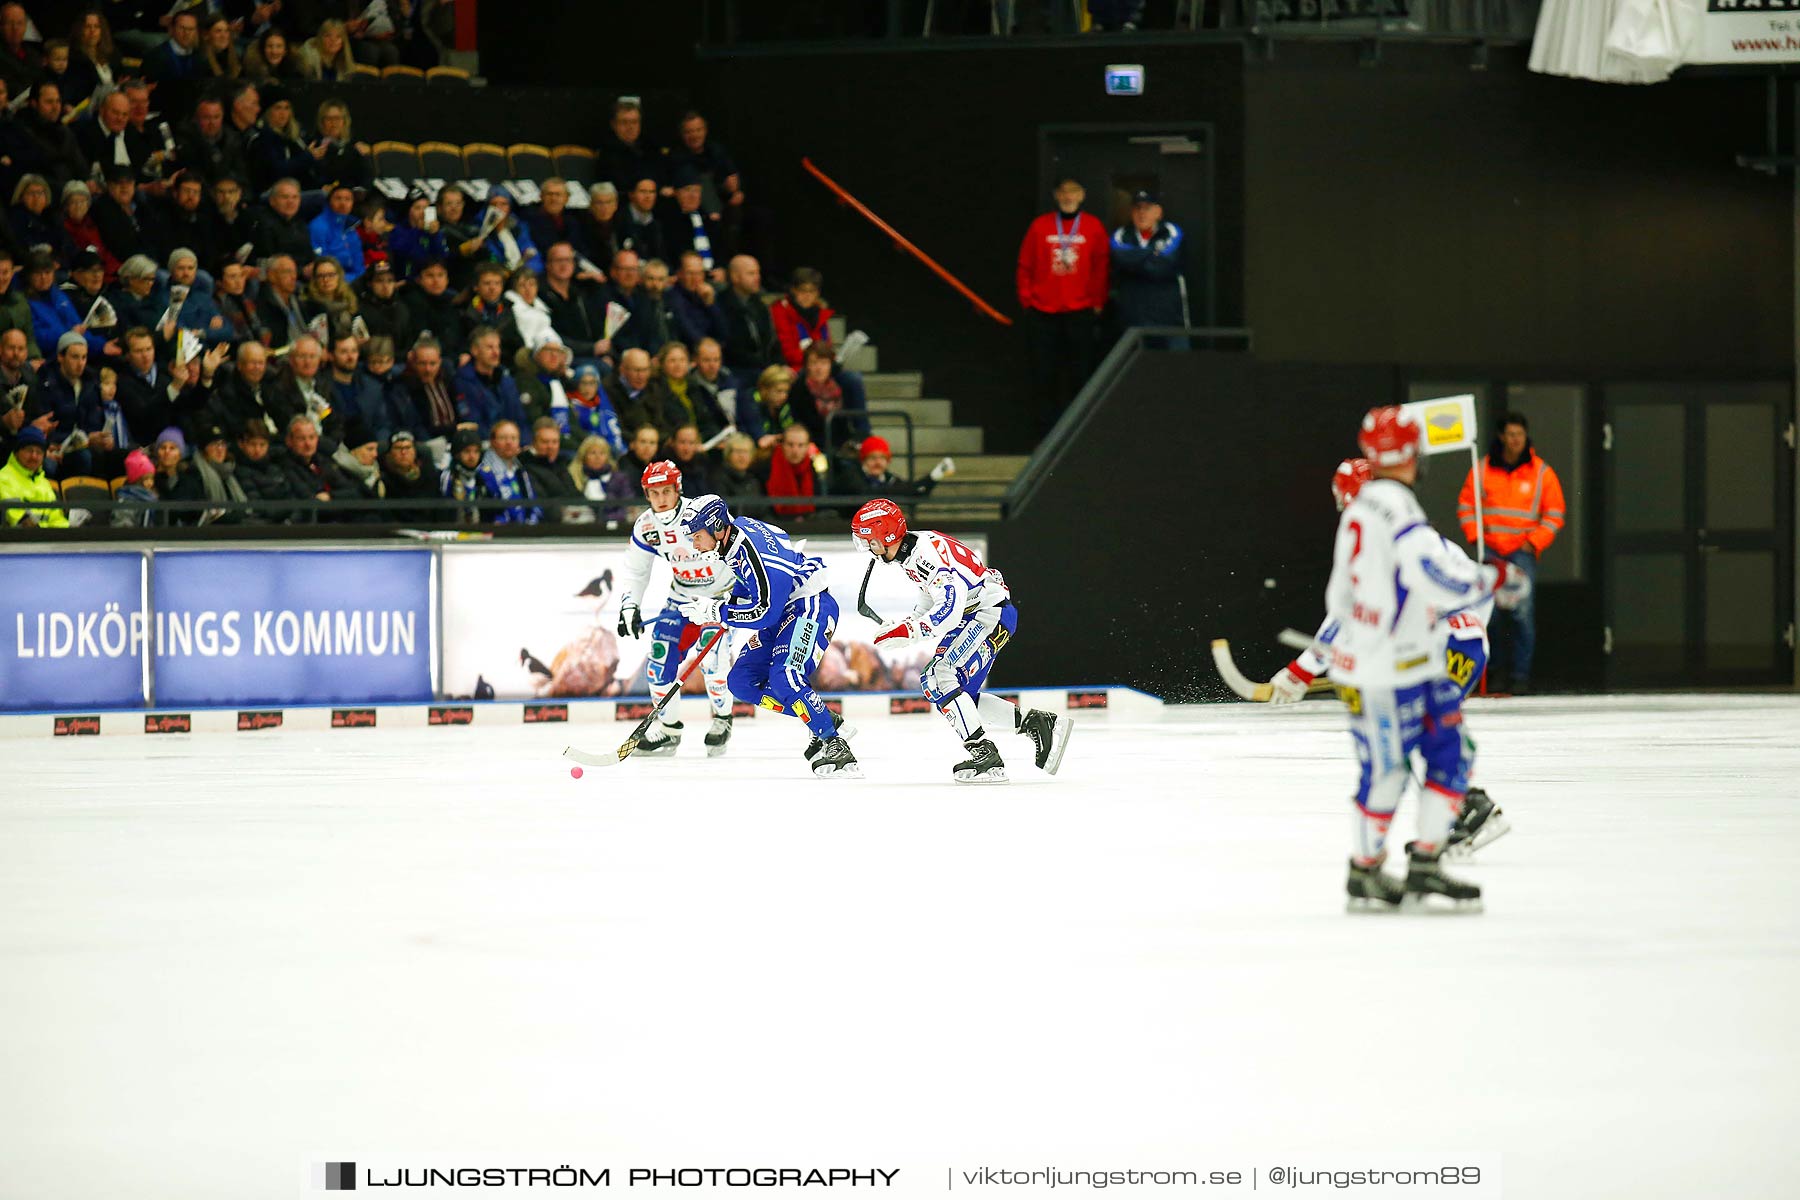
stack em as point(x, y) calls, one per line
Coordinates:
point(964, 605)
point(779, 594)
point(1465, 660)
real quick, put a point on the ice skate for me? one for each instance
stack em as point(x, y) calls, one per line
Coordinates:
point(1425, 879)
point(660, 742)
point(982, 766)
point(719, 736)
point(835, 759)
point(1371, 889)
point(1481, 823)
point(1049, 735)
point(845, 730)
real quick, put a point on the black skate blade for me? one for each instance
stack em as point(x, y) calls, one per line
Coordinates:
point(1491, 831)
point(1435, 904)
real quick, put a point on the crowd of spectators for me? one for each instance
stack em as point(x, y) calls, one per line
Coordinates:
point(213, 305)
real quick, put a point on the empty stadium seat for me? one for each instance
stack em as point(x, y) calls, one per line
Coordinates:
point(441, 160)
point(575, 163)
point(399, 159)
point(484, 160)
point(447, 75)
point(86, 489)
point(364, 71)
point(529, 162)
point(402, 75)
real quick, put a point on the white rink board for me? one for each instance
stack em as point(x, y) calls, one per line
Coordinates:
point(224, 954)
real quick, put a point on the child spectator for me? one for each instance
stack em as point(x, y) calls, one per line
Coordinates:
point(136, 499)
point(866, 473)
point(461, 480)
point(590, 413)
point(419, 238)
point(373, 231)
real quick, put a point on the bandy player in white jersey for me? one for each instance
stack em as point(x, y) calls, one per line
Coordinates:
point(657, 534)
point(964, 605)
point(1465, 655)
point(1394, 580)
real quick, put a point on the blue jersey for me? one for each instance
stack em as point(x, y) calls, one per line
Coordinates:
point(768, 575)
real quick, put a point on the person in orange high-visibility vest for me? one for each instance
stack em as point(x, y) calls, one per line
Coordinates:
point(1521, 513)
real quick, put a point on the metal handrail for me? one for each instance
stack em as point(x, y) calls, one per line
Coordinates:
point(901, 241)
point(1075, 418)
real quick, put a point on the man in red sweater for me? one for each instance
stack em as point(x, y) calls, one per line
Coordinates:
point(1062, 288)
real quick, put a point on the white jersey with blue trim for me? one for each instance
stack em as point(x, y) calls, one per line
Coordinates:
point(1394, 581)
point(1469, 625)
point(694, 574)
point(768, 573)
point(954, 583)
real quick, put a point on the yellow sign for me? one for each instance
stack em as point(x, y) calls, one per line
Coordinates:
point(1448, 421)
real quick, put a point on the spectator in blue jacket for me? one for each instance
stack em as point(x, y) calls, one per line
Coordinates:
point(693, 305)
point(199, 311)
point(334, 231)
point(504, 477)
point(485, 393)
point(139, 297)
point(356, 393)
point(1146, 267)
point(509, 243)
point(52, 312)
point(416, 240)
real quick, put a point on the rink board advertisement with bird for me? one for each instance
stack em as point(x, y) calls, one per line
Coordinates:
point(535, 623)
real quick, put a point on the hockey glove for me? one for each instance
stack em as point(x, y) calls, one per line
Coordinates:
point(1290, 684)
point(901, 631)
point(631, 624)
point(702, 610)
point(1513, 587)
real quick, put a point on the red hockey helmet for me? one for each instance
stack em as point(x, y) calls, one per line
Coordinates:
point(1389, 437)
point(1348, 479)
point(878, 524)
point(662, 473)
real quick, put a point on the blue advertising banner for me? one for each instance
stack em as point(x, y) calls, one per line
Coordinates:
point(292, 626)
point(72, 630)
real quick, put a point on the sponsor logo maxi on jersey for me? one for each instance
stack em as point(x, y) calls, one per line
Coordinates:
point(266, 718)
point(353, 718)
point(546, 714)
point(450, 714)
point(1086, 700)
point(908, 704)
point(168, 723)
point(76, 726)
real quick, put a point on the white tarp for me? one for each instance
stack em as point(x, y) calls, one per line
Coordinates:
point(1644, 41)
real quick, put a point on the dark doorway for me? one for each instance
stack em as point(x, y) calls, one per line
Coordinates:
point(1699, 533)
point(1113, 161)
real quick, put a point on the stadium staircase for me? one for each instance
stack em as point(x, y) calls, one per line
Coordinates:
point(974, 492)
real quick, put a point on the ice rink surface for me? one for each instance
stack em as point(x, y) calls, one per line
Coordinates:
point(222, 956)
